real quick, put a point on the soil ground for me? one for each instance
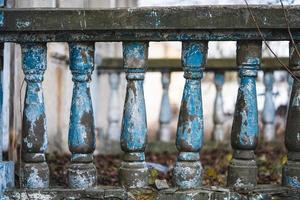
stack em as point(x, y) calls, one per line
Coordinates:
point(214, 158)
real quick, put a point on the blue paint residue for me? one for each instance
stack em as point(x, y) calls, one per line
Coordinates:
point(134, 124)
point(219, 78)
point(34, 56)
point(249, 121)
point(81, 104)
point(1, 18)
point(81, 59)
point(81, 127)
point(34, 66)
point(253, 62)
point(1, 14)
point(292, 181)
point(190, 124)
point(192, 54)
point(134, 54)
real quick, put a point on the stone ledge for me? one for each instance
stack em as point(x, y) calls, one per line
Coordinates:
point(261, 192)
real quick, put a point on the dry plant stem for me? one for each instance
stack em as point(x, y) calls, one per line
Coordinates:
point(288, 27)
point(268, 46)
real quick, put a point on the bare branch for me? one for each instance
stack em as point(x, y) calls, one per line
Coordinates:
point(267, 45)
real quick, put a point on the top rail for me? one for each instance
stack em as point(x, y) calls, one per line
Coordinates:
point(217, 23)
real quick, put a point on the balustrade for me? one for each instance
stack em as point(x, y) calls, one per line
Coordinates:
point(135, 28)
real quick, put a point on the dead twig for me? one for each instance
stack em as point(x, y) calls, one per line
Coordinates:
point(289, 28)
point(267, 45)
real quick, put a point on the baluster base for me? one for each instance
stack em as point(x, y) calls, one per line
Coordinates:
point(269, 132)
point(133, 174)
point(82, 175)
point(35, 175)
point(187, 174)
point(291, 174)
point(242, 173)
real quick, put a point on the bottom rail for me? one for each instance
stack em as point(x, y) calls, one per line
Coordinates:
point(261, 192)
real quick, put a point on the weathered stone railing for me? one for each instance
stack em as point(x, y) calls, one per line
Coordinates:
point(113, 67)
point(194, 27)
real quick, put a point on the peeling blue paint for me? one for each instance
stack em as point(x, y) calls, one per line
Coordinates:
point(219, 79)
point(81, 127)
point(249, 120)
point(81, 138)
point(192, 56)
point(134, 171)
point(190, 123)
point(2, 4)
point(1, 18)
point(81, 105)
point(292, 181)
point(20, 24)
point(134, 125)
point(34, 128)
point(134, 55)
point(189, 137)
point(7, 174)
point(1, 111)
point(245, 123)
point(34, 118)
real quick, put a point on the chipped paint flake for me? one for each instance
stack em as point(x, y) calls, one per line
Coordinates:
point(22, 24)
point(190, 129)
point(1, 18)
